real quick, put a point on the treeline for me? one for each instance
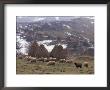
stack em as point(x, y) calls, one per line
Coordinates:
point(39, 51)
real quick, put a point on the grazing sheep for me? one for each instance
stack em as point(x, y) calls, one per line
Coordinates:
point(30, 59)
point(26, 57)
point(69, 61)
point(62, 60)
point(46, 60)
point(52, 59)
point(41, 59)
point(33, 61)
point(86, 64)
point(51, 63)
point(78, 65)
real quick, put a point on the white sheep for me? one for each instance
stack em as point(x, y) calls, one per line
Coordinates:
point(51, 63)
point(62, 60)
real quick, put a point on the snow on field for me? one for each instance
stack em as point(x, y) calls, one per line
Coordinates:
point(50, 47)
point(69, 34)
point(44, 42)
point(23, 44)
point(64, 45)
point(67, 26)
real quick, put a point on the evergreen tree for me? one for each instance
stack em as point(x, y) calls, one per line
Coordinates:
point(58, 52)
point(33, 49)
point(43, 51)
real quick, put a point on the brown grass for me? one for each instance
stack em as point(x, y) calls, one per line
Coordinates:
point(24, 67)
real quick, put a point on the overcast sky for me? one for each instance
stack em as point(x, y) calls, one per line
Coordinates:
point(48, 18)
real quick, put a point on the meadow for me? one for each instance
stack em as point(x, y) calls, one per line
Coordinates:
point(39, 67)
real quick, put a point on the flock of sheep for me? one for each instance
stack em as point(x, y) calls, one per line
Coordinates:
point(53, 61)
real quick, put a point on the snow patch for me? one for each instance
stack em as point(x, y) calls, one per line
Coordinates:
point(23, 44)
point(49, 48)
point(68, 33)
point(67, 26)
point(44, 42)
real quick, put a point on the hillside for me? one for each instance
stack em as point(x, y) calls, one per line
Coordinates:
point(75, 33)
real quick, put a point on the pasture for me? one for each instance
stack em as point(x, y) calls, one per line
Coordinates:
point(39, 67)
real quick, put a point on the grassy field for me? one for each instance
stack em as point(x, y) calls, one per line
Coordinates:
point(24, 67)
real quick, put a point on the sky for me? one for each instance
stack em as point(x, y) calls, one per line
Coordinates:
point(48, 18)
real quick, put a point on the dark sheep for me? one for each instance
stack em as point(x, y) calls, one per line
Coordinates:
point(78, 65)
point(86, 64)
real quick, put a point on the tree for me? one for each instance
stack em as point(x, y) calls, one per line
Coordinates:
point(58, 52)
point(43, 51)
point(53, 52)
point(33, 49)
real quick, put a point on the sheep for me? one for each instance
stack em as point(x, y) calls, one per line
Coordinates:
point(28, 58)
point(69, 61)
point(62, 60)
point(46, 60)
point(51, 63)
point(33, 61)
point(41, 59)
point(86, 64)
point(78, 65)
point(53, 59)
point(33, 58)
point(50, 57)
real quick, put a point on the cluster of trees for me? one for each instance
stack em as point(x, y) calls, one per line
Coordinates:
point(39, 51)
point(58, 52)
